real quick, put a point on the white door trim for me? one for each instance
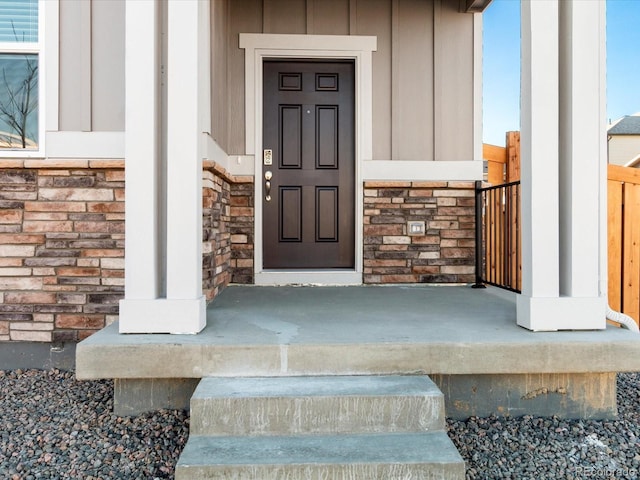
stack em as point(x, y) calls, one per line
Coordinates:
point(332, 47)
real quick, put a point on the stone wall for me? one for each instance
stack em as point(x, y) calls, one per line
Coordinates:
point(216, 247)
point(61, 248)
point(242, 232)
point(62, 244)
point(228, 229)
point(444, 254)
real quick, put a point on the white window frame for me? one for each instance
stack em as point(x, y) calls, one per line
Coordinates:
point(36, 48)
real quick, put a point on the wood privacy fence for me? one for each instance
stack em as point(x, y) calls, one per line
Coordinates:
point(500, 214)
point(499, 208)
point(503, 163)
point(624, 239)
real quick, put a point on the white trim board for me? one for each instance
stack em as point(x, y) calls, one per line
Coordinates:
point(383, 170)
point(51, 23)
point(85, 144)
point(234, 164)
point(308, 277)
point(416, 170)
point(332, 47)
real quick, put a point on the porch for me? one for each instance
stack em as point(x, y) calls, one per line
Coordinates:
point(402, 133)
point(467, 340)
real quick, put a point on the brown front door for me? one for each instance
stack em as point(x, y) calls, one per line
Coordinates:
point(308, 202)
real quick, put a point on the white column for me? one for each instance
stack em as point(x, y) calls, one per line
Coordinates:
point(583, 196)
point(187, 56)
point(183, 309)
point(142, 120)
point(539, 157)
point(551, 297)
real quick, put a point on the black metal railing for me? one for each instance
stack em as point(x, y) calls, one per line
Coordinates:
point(498, 239)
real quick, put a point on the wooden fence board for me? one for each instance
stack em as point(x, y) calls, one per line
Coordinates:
point(631, 252)
point(503, 246)
point(623, 236)
point(516, 239)
point(623, 174)
point(496, 158)
point(614, 234)
point(494, 153)
point(513, 156)
point(502, 238)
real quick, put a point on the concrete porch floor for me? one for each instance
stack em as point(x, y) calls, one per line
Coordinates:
point(466, 339)
point(267, 331)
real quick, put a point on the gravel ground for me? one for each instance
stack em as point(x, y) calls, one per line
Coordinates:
point(52, 426)
point(550, 448)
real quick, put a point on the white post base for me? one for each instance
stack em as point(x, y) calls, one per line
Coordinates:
point(549, 314)
point(163, 316)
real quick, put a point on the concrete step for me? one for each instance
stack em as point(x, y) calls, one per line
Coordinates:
point(429, 455)
point(316, 405)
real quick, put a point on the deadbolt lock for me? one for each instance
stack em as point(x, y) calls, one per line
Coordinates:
point(267, 156)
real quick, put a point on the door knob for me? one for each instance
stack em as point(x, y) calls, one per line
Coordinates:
point(267, 185)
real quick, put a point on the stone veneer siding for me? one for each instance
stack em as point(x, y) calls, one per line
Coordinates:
point(61, 248)
point(445, 254)
point(62, 244)
point(227, 205)
point(216, 246)
point(242, 232)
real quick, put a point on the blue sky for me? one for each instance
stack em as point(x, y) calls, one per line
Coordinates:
point(501, 56)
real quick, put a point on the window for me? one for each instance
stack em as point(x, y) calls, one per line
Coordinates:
point(20, 66)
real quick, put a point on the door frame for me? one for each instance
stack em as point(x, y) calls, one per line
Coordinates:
point(328, 47)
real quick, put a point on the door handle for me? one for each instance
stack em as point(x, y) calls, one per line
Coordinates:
point(267, 185)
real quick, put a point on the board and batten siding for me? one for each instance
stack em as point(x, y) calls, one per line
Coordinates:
point(423, 69)
point(423, 97)
point(91, 56)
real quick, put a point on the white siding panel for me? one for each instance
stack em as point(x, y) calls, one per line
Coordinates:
point(453, 82)
point(245, 16)
point(74, 71)
point(91, 57)
point(623, 148)
point(374, 18)
point(423, 69)
point(328, 17)
point(412, 93)
point(285, 16)
point(219, 105)
point(108, 65)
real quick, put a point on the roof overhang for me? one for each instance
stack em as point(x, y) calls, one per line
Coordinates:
point(474, 6)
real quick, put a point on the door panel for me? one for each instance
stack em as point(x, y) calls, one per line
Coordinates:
point(291, 136)
point(327, 141)
point(327, 214)
point(290, 220)
point(308, 218)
